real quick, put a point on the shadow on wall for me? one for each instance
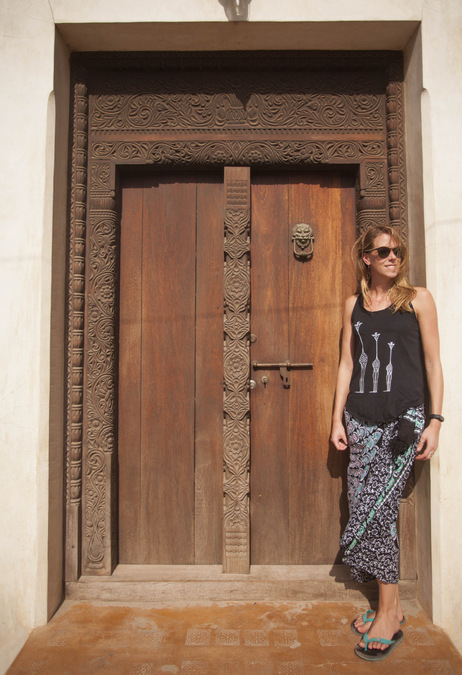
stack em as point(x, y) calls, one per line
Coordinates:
point(236, 10)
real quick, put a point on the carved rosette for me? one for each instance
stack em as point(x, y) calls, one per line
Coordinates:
point(75, 346)
point(101, 178)
point(236, 406)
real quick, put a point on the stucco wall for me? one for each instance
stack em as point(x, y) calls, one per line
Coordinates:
point(29, 181)
point(27, 133)
point(442, 147)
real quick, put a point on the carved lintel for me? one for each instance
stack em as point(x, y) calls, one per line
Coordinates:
point(253, 153)
point(338, 102)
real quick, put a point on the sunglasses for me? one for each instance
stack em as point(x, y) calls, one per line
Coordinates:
point(384, 251)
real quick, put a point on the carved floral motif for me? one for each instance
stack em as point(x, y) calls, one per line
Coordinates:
point(236, 406)
point(249, 153)
point(372, 193)
point(308, 101)
point(100, 385)
point(395, 153)
point(100, 177)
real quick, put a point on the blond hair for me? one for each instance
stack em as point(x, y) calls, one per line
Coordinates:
point(401, 293)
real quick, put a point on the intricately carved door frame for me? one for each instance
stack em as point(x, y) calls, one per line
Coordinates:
point(323, 109)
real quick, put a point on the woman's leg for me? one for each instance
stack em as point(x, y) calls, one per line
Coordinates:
point(388, 616)
point(362, 627)
point(376, 480)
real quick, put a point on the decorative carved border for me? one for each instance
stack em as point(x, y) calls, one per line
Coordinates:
point(99, 542)
point(331, 102)
point(240, 152)
point(91, 373)
point(372, 194)
point(396, 150)
point(75, 315)
point(236, 356)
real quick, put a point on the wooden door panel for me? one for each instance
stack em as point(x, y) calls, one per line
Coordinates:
point(298, 418)
point(171, 368)
point(209, 374)
point(269, 478)
point(130, 311)
point(170, 383)
point(316, 297)
point(167, 416)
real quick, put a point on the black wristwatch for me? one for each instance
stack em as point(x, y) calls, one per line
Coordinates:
point(436, 417)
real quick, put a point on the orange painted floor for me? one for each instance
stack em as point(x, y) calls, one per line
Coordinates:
point(255, 638)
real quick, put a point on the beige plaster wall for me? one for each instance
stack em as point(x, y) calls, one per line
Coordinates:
point(32, 181)
point(442, 150)
point(416, 242)
point(56, 468)
point(97, 11)
point(26, 172)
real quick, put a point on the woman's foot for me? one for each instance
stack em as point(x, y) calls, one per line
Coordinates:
point(384, 625)
point(368, 653)
point(363, 622)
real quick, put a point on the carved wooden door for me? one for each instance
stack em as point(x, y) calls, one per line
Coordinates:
point(171, 370)
point(170, 441)
point(297, 478)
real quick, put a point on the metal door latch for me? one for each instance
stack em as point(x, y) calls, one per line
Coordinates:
point(284, 369)
point(285, 376)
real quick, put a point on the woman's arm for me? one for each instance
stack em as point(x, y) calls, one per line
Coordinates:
point(425, 309)
point(345, 369)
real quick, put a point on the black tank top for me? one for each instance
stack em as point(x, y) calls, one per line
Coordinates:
point(388, 375)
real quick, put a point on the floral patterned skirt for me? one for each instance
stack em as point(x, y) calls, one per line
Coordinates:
point(377, 476)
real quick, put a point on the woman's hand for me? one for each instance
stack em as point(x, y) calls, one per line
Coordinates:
point(428, 443)
point(426, 314)
point(338, 436)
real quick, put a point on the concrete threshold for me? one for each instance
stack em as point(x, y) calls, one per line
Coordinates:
point(241, 638)
point(193, 583)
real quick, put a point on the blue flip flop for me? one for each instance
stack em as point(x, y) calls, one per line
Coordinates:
point(367, 619)
point(370, 654)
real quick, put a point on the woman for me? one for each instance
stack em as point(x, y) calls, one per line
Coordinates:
point(387, 327)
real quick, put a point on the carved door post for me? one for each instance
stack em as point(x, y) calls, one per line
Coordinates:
point(75, 318)
point(236, 437)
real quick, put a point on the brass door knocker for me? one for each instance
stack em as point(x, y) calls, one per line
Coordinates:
point(303, 238)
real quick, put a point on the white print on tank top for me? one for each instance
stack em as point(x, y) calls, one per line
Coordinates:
point(375, 365)
point(389, 368)
point(363, 359)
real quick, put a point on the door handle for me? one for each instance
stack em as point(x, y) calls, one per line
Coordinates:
point(284, 369)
